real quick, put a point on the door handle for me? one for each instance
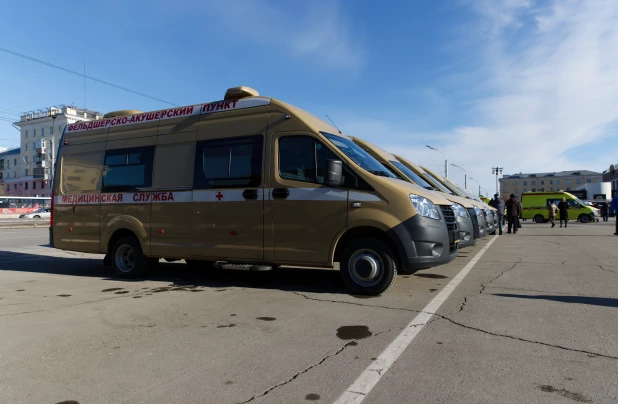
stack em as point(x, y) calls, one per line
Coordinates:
point(250, 194)
point(281, 193)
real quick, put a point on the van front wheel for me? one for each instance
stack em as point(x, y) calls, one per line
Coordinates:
point(128, 259)
point(584, 218)
point(367, 267)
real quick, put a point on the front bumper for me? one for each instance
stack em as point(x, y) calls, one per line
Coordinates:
point(466, 231)
point(475, 223)
point(491, 224)
point(424, 243)
point(482, 226)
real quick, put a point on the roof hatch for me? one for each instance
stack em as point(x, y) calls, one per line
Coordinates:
point(236, 93)
point(122, 112)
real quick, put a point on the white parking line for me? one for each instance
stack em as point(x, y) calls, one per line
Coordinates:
point(357, 392)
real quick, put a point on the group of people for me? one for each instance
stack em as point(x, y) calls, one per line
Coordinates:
point(562, 207)
point(513, 211)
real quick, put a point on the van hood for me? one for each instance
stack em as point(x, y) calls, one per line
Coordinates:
point(433, 196)
point(467, 203)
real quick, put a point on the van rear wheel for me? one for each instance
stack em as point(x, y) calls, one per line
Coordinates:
point(367, 267)
point(128, 260)
point(539, 219)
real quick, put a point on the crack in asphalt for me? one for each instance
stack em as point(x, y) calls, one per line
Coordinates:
point(483, 287)
point(296, 375)
point(357, 304)
point(353, 342)
point(526, 340)
point(608, 270)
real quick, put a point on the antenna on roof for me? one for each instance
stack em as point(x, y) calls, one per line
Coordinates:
point(331, 121)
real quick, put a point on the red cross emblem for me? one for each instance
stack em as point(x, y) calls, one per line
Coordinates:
point(219, 196)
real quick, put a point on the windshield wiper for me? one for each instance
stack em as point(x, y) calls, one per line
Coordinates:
point(380, 173)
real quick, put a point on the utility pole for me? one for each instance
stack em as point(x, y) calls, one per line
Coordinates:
point(497, 171)
point(445, 161)
point(51, 149)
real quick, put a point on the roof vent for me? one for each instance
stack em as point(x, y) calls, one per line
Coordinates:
point(237, 93)
point(122, 112)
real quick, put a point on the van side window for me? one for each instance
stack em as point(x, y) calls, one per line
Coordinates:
point(229, 163)
point(128, 169)
point(80, 173)
point(303, 158)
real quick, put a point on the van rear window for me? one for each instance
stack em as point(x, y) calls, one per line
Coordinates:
point(229, 163)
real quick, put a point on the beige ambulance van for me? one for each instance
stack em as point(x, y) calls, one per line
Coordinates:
point(460, 219)
point(481, 213)
point(246, 180)
point(467, 223)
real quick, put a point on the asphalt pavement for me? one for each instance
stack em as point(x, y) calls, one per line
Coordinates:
point(522, 318)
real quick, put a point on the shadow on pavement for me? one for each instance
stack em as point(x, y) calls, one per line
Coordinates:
point(593, 301)
point(178, 273)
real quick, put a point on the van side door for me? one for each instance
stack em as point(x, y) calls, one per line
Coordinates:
point(306, 214)
point(171, 195)
point(228, 199)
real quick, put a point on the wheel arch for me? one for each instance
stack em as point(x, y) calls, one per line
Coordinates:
point(363, 232)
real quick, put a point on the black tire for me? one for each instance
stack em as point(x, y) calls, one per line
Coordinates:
point(36, 217)
point(367, 267)
point(199, 264)
point(539, 219)
point(128, 260)
point(584, 218)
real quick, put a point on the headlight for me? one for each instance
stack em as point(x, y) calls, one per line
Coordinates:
point(460, 210)
point(424, 206)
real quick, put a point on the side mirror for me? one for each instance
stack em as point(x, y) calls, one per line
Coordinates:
point(334, 173)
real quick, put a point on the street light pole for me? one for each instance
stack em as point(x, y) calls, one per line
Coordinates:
point(465, 175)
point(478, 184)
point(445, 161)
point(497, 171)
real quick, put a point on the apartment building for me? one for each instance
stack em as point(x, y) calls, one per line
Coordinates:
point(41, 130)
point(541, 182)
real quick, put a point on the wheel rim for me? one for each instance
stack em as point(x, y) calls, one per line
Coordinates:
point(125, 258)
point(366, 267)
point(539, 219)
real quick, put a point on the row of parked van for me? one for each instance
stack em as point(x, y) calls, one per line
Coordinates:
point(254, 181)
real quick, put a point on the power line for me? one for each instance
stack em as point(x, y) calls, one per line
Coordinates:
point(9, 111)
point(84, 76)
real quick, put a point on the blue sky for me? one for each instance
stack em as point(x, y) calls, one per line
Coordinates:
point(527, 85)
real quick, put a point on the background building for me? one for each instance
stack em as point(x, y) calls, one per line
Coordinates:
point(41, 131)
point(8, 169)
point(611, 175)
point(543, 182)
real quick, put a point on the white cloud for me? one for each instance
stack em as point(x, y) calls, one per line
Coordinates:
point(318, 32)
point(550, 78)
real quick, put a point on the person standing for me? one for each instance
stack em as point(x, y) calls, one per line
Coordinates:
point(513, 210)
point(552, 213)
point(613, 209)
point(498, 204)
point(605, 211)
point(563, 207)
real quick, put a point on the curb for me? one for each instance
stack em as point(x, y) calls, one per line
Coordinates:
point(15, 225)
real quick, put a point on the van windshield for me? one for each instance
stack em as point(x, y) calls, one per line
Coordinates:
point(359, 156)
point(412, 175)
point(439, 185)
